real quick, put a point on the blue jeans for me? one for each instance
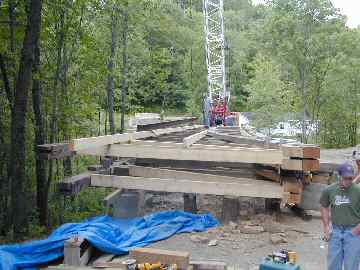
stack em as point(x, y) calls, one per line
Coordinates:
point(344, 249)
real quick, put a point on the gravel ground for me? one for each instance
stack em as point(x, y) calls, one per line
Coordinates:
point(247, 250)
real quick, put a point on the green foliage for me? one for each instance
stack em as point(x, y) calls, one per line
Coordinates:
point(270, 97)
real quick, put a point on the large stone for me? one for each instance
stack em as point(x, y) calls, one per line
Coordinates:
point(213, 243)
point(233, 225)
point(252, 229)
point(199, 239)
point(278, 238)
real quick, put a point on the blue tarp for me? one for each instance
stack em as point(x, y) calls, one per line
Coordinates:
point(108, 234)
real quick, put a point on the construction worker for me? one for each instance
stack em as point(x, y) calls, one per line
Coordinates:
point(340, 212)
point(356, 157)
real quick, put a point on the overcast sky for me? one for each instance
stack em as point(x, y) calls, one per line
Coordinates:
point(351, 8)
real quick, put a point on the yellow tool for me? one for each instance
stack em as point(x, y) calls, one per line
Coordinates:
point(149, 266)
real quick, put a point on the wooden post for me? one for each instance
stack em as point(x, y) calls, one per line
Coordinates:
point(72, 251)
point(190, 203)
point(230, 209)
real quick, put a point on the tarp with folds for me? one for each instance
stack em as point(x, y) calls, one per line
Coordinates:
point(108, 234)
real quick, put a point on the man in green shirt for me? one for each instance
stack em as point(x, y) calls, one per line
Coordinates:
point(340, 212)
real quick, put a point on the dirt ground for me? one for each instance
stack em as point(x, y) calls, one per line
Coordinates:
point(246, 250)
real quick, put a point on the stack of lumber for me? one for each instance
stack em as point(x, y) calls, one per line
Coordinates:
point(186, 162)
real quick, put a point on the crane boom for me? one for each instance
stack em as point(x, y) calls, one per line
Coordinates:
point(215, 57)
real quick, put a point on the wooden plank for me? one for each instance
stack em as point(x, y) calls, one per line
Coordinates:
point(208, 265)
point(301, 151)
point(152, 255)
point(74, 184)
point(249, 188)
point(269, 174)
point(190, 140)
point(100, 141)
point(164, 131)
point(149, 172)
point(77, 252)
point(301, 164)
point(242, 140)
point(234, 154)
point(193, 164)
point(168, 123)
point(112, 198)
point(55, 151)
point(103, 260)
point(93, 142)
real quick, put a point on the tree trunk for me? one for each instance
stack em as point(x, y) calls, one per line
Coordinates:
point(12, 64)
point(54, 114)
point(111, 81)
point(5, 78)
point(64, 85)
point(18, 121)
point(41, 192)
point(125, 68)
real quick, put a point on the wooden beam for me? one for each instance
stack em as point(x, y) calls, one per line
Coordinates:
point(55, 150)
point(194, 164)
point(301, 151)
point(95, 142)
point(164, 131)
point(150, 172)
point(249, 188)
point(74, 184)
point(77, 252)
point(190, 140)
point(242, 140)
point(301, 164)
point(268, 174)
point(167, 123)
point(103, 260)
point(234, 154)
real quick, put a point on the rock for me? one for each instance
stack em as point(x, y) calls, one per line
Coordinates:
point(247, 223)
point(273, 227)
point(243, 213)
point(199, 239)
point(213, 243)
point(278, 238)
point(213, 230)
point(233, 225)
point(225, 234)
point(236, 231)
point(252, 229)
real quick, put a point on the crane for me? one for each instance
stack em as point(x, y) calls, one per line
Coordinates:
point(217, 99)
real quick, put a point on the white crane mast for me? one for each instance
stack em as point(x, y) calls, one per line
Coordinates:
point(215, 45)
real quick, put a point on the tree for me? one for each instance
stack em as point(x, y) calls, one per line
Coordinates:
point(17, 164)
point(270, 97)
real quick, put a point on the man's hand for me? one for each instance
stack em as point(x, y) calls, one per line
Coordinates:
point(356, 230)
point(327, 233)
